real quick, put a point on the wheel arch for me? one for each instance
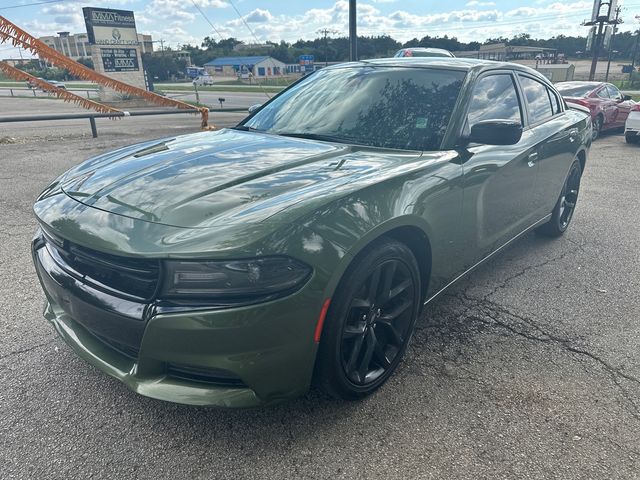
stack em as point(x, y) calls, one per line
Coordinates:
point(582, 158)
point(409, 230)
point(420, 245)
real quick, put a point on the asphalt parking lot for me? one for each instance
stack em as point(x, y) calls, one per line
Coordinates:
point(528, 368)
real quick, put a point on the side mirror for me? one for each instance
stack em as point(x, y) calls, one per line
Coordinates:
point(626, 98)
point(253, 108)
point(496, 132)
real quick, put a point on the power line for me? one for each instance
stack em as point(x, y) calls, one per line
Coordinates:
point(207, 19)
point(31, 4)
point(244, 21)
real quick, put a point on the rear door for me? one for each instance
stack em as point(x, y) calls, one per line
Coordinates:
point(623, 107)
point(608, 107)
point(556, 140)
point(498, 180)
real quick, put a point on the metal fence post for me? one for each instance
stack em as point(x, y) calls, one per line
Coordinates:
point(94, 129)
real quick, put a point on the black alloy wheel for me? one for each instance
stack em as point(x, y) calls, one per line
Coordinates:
point(566, 204)
point(370, 321)
point(569, 196)
point(597, 127)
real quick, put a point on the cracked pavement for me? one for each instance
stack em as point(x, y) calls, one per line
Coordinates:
point(527, 368)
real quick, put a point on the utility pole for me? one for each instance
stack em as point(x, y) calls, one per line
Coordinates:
point(596, 51)
point(600, 20)
point(325, 33)
point(616, 22)
point(635, 52)
point(161, 42)
point(353, 35)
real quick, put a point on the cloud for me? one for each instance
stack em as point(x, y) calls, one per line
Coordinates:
point(259, 16)
point(179, 22)
point(522, 12)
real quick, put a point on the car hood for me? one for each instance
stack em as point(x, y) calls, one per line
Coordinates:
point(224, 177)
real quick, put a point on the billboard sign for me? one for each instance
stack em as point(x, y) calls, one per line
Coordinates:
point(305, 60)
point(604, 10)
point(119, 59)
point(591, 38)
point(110, 27)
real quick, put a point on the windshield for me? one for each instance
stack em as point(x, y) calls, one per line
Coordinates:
point(404, 108)
point(575, 90)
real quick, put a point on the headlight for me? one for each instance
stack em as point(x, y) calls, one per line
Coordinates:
point(234, 281)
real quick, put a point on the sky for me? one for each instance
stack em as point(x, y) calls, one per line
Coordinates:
point(179, 21)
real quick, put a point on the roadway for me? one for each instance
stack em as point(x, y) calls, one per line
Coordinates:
point(528, 368)
point(233, 99)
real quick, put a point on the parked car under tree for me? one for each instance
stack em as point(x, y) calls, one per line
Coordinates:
point(232, 268)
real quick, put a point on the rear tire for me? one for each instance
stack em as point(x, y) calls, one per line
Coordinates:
point(597, 127)
point(565, 206)
point(370, 321)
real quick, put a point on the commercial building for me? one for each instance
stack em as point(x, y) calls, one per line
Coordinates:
point(76, 46)
point(177, 54)
point(17, 62)
point(504, 52)
point(259, 67)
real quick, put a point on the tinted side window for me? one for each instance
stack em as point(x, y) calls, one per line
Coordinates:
point(602, 93)
point(494, 98)
point(614, 92)
point(556, 103)
point(537, 98)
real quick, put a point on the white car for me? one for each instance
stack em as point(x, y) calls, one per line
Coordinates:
point(632, 126)
point(55, 83)
point(203, 80)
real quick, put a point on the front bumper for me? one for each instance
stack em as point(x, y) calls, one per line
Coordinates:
point(633, 123)
point(242, 357)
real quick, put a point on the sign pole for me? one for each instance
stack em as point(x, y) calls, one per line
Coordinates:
point(353, 35)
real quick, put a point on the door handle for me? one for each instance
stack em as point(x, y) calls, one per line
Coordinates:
point(531, 159)
point(573, 135)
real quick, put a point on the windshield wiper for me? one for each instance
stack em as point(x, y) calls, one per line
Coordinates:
point(315, 136)
point(245, 128)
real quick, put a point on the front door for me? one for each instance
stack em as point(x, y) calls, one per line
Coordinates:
point(498, 180)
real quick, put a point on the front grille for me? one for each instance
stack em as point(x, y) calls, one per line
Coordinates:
point(130, 277)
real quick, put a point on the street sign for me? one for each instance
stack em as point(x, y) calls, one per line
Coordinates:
point(119, 59)
point(305, 60)
point(106, 26)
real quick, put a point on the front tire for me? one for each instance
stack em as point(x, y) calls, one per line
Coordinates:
point(566, 204)
point(370, 321)
point(632, 138)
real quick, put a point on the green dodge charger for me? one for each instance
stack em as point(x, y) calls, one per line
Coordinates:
point(236, 268)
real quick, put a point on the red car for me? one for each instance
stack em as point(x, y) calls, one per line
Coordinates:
point(608, 106)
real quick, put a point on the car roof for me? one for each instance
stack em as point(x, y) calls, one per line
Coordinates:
point(450, 63)
point(580, 84)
